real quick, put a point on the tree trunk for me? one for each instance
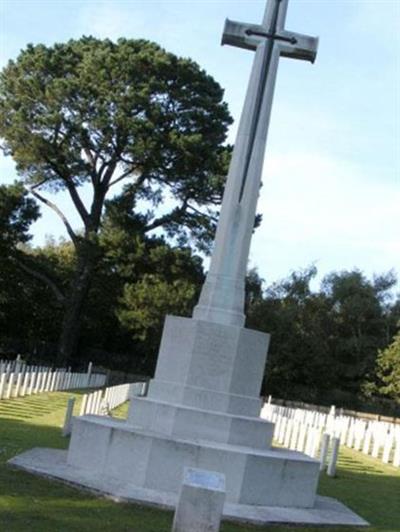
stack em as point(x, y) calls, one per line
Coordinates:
point(74, 304)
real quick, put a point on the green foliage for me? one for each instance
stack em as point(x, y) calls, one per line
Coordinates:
point(388, 369)
point(17, 213)
point(97, 113)
point(134, 286)
point(324, 341)
point(91, 111)
point(299, 360)
point(144, 305)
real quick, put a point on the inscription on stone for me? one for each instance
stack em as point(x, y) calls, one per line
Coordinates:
point(199, 478)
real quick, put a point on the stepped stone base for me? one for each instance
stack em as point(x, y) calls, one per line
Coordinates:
point(52, 463)
point(151, 460)
point(204, 398)
point(194, 423)
point(202, 411)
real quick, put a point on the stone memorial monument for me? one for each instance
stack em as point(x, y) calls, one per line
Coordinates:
point(202, 408)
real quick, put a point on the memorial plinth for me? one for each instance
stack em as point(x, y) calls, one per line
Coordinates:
point(202, 410)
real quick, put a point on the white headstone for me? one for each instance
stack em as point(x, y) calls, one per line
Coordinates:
point(68, 417)
point(201, 502)
point(331, 470)
point(324, 451)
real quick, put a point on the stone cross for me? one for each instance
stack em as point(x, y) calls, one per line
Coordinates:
point(222, 296)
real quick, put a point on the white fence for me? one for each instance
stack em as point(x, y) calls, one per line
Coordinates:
point(101, 402)
point(18, 379)
point(302, 430)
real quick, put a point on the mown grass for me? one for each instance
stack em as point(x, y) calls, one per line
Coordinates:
point(32, 504)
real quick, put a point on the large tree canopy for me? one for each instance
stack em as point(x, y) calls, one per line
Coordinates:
point(98, 113)
point(95, 111)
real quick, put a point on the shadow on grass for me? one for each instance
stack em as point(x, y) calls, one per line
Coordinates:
point(368, 488)
point(31, 503)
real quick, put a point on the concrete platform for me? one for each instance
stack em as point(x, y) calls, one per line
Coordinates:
point(52, 463)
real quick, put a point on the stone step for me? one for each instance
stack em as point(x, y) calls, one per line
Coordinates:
point(194, 423)
point(205, 398)
point(118, 450)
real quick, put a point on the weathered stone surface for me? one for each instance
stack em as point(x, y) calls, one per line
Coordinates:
point(154, 461)
point(201, 502)
point(197, 424)
point(210, 356)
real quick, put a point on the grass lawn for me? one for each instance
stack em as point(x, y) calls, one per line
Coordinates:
point(29, 503)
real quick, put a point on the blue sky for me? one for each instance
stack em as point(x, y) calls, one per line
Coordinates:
point(331, 193)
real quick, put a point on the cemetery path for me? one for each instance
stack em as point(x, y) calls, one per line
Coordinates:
point(32, 504)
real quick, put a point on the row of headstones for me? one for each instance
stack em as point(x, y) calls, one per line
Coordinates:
point(11, 365)
point(294, 434)
point(102, 402)
point(302, 430)
point(299, 436)
point(376, 438)
point(25, 380)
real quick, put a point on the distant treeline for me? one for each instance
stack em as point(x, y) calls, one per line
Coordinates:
point(335, 344)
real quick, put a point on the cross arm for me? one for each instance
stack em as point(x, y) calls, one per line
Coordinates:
point(241, 35)
point(303, 46)
point(249, 36)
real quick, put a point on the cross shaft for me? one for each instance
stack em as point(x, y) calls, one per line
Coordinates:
point(222, 296)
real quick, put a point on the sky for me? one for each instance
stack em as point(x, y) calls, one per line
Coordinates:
point(331, 179)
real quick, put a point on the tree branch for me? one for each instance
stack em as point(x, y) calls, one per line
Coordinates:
point(120, 178)
point(72, 191)
point(36, 185)
point(41, 277)
point(135, 186)
point(109, 173)
point(91, 160)
point(83, 213)
point(213, 218)
point(172, 216)
point(54, 207)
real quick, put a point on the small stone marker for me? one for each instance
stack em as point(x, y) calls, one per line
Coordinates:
point(89, 373)
point(83, 405)
point(331, 471)
point(201, 501)
point(68, 417)
point(104, 409)
point(396, 456)
point(138, 389)
point(324, 451)
point(17, 385)
point(2, 384)
point(10, 385)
